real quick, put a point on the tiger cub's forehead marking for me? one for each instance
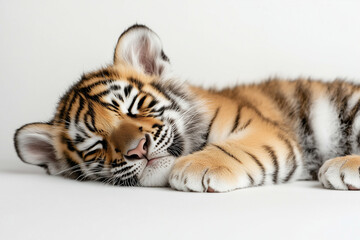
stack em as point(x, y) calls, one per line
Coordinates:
point(129, 97)
point(126, 95)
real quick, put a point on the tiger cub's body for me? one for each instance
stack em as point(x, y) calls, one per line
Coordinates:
point(278, 131)
point(133, 123)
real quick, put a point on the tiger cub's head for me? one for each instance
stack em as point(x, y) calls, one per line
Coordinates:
point(124, 124)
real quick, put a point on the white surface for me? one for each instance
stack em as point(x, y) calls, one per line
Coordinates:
point(46, 45)
point(37, 207)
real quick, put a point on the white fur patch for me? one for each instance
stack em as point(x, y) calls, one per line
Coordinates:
point(355, 132)
point(326, 126)
point(355, 97)
point(156, 175)
point(356, 124)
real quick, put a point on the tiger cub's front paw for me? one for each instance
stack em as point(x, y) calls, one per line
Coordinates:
point(341, 173)
point(201, 173)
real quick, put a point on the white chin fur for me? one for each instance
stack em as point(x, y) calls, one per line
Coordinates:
point(157, 173)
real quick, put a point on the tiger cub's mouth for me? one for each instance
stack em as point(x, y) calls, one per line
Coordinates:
point(156, 171)
point(153, 161)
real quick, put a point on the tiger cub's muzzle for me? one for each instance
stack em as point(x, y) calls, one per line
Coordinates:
point(132, 140)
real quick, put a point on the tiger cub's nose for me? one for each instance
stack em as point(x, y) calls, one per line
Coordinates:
point(139, 152)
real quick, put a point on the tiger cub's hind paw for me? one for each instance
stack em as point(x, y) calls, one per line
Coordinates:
point(342, 173)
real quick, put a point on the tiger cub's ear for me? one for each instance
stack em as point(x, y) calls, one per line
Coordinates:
point(34, 144)
point(141, 48)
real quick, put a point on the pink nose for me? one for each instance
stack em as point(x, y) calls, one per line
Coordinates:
point(140, 151)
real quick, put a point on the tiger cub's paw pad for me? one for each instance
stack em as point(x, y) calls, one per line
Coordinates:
point(341, 173)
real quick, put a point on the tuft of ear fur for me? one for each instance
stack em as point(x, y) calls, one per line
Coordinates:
point(141, 48)
point(34, 144)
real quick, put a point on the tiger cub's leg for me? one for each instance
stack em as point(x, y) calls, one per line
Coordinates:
point(214, 169)
point(229, 166)
point(341, 173)
point(259, 153)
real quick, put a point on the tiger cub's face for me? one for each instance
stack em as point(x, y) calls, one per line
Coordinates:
point(124, 124)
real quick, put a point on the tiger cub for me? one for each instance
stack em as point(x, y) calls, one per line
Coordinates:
point(134, 124)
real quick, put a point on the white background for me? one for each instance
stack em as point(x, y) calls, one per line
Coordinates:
point(46, 45)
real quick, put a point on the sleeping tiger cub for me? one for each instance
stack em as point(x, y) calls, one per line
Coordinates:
point(134, 124)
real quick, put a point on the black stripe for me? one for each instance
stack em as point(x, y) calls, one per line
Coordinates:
point(141, 102)
point(236, 121)
point(245, 125)
point(89, 162)
point(128, 182)
point(272, 89)
point(115, 163)
point(86, 121)
point(158, 112)
point(68, 143)
point(135, 81)
point(274, 159)
point(104, 144)
point(90, 153)
point(304, 101)
point(227, 153)
point(292, 170)
point(353, 111)
point(88, 88)
point(251, 179)
point(100, 94)
point(159, 88)
point(127, 90)
point(119, 97)
point(358, 140)
point(93, 145)
point(291, 159)
point(109, 106)
point(209, 128)
point(79, 139)
point(266, 119)
point(131, 105)
point(157, 133)
point(114, 103)
point(164, 144)
point(81, 107)
point(156, 125)
point(162, 138)
point(68, 110)
point(177, 146)
point(82, 131)
point(115, 87)
point(152, 103)
point(130, 173)
point(164, 91)
point(125, 169)
point(259, 164)
point(203, 180)
point(92, 115)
